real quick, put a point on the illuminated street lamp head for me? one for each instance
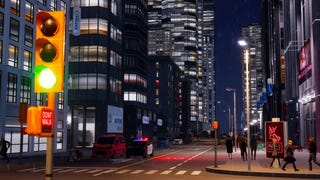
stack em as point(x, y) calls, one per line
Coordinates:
point(230, 89)
point(242, 43)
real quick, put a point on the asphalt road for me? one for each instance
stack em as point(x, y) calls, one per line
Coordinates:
point(179, 162)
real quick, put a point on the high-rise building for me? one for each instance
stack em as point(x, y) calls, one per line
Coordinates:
point(176, 30)
point(207, 70)
point(17, 58)
point(95, 71)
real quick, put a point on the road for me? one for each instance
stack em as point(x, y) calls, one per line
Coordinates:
point(178, 162)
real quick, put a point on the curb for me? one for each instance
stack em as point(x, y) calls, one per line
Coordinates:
point(262, 174)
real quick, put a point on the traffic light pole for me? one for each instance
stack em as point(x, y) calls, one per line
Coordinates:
point(49, 154)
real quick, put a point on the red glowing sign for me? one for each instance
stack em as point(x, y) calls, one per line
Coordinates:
point(46, 120)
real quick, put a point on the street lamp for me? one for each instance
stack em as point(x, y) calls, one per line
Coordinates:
point(244, 44)
point(234, 116)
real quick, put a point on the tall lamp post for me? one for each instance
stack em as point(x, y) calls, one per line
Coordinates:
point(244, 44)
point(234, 116)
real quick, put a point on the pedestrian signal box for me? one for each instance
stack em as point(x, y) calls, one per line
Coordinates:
point(40, 121)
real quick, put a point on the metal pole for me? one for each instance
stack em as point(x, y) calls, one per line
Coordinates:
point(49, 154)
point(248, 107)
point(235, 119)
point(215, 147)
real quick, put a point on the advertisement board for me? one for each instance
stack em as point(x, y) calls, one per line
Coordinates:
point(275, 130)
point(115, 119)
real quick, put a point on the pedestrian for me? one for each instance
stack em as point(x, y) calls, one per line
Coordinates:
point(312, 147)
point(243, 149)
point(253, 145)
point(289, 150)
point(275, 154)
point(229, 145)
point(4, 148)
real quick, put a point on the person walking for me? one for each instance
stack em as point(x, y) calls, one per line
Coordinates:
point(253, 145)
point(289, 150)
point(243, 149)
point(312, 147)
point(4, 148)
point(229, 145)
point(275, 155)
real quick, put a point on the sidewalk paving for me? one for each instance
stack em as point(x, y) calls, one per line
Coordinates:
point(261, 166)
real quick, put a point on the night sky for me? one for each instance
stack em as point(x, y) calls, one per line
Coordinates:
point(230, 17)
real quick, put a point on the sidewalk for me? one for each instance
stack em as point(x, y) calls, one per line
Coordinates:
point(260, 166)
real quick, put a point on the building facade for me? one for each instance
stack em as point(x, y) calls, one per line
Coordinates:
point(95, 72)
point(17, 51)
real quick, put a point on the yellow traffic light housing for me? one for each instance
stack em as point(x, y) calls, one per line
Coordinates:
point(50, 39)
point(40, 121)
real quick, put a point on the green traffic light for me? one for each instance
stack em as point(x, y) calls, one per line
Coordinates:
point(46, 77)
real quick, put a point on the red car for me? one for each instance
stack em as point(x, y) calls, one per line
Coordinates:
point(110, 145)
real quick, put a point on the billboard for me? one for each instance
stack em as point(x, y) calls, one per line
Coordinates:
point(304, 62)
point(115, 119)
point(274, 130)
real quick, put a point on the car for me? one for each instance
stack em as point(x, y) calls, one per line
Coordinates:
point(177, 140)
point(140, 147)
point(109, 145)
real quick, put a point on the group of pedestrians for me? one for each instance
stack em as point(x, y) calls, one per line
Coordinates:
point(288, 150)
point(242, 142)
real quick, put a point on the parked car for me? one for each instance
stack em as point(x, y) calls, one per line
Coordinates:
point(177, 140)
point(140, 147)
point(109, 145)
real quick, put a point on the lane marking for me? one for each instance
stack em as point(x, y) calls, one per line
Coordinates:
point(195, 173)
point(94, 171)
point(105, 172)
point(81, 170)
point(123, 171)
point(25, 170)
point(181, 172)
point(137, 171)
point(151, 172)
point(67, 170)
point(166, 172)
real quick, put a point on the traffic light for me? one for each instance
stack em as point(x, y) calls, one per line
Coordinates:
point(40, 121)
point(50, 39)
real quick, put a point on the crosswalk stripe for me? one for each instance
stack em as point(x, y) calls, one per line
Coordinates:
point(137, 171)
point(122, 171)
point(25, 170)
point(195, 172)
point(166, 172)
point(104, 172)
point(57, 169)
point(180, 172)
point(38, 170)
point(66, 170)
point(151, 172)
point(94, 171)
point(81, 170)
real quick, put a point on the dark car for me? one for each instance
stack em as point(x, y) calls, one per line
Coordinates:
point(140, 147)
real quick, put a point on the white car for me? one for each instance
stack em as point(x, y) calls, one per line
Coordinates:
point(177, 141)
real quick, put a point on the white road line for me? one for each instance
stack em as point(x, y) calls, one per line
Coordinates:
point(166, 172)
point(104, 172)
point(123, 171)
point(25, 170)
point(151, 172)
point(94, 171)
point(137, 171)
point(180, 172)
point(179, 164)
point(57, 169)
point(195, 172)
point(172, 168)
point(66, 170)
point(38, 170)
point(81, 170)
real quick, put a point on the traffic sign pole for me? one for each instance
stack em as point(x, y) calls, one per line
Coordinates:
point(49, 154)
